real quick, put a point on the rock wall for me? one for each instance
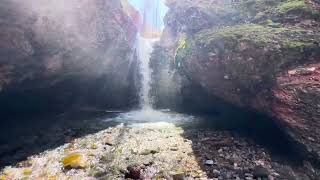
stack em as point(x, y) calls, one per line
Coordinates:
point(61, 54)
point(261, 55)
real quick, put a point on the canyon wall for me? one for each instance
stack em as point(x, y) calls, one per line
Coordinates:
point(258, 55)
point(62, 54)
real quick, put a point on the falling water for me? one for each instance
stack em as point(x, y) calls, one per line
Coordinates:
point(149, 32)
point(152, 13)
point(145, 47)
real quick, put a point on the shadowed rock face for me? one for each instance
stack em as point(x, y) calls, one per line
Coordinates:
point(65, 53)
point(264, 56)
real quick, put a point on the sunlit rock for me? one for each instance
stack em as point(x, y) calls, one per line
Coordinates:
point(27, 171)
point(74, 161)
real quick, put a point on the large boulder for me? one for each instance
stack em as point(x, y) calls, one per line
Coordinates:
point(265, 59)
point(65, 53)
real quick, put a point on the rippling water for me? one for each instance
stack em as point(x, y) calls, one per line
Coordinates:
point(151, 115)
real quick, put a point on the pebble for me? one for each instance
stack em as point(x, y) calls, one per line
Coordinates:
point(174, 149)
point(215, 173)
point(311, 139)
point(134, 172)
point(209, 162)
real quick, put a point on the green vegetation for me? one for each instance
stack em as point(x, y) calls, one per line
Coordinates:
point(231, 35)
point(257, 35)
point(291, 5)
point(297, 45)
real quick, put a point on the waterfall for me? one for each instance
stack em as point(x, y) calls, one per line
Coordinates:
point(150, 28)
point(149, 25)
point(144, 50)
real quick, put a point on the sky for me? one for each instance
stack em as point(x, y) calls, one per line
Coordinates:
point(151, 6)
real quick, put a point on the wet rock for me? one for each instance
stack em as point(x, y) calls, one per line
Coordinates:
point(134, 172)
point(260, 172)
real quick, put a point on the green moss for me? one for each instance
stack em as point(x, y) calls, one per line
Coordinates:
point(295, 8)
point(270, 23)
point(255, 34)
point(278, 10)
point(252, 8)
point(297, 45)
point(230, 36)
point(252, 54)
point(228, 39)
point(291, 5)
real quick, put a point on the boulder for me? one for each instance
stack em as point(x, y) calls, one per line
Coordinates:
point(262, 55)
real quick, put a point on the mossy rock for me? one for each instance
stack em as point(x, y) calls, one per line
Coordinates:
point(277, 10)
point(256, 34)
point(288, 6)
point(251, 55)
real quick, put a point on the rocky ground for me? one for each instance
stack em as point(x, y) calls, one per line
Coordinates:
point(159, 150)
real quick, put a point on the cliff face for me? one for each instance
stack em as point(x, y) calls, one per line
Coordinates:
point(262, 55)
point(56, 54)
